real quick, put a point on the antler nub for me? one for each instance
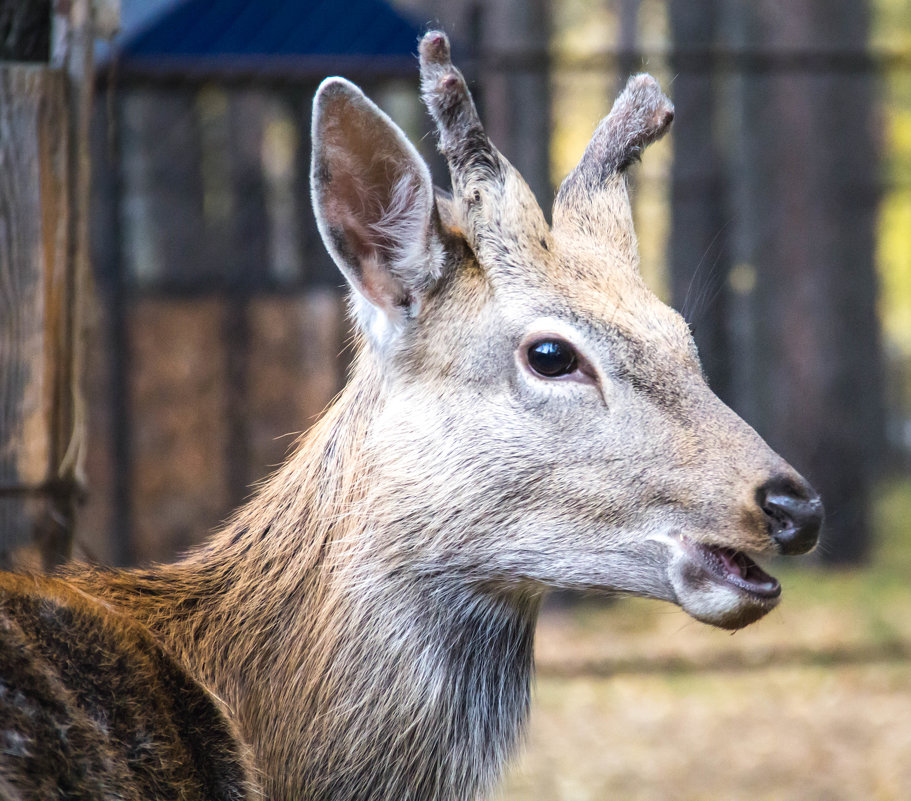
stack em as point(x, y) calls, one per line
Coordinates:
point(434, 49)
point(494, 203)
point(446, 95)
point(640, 115)
point(593, 198)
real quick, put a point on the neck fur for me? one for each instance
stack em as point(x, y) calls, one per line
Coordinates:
point(351, 675)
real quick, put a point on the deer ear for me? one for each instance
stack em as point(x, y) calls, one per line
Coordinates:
point(374, 206)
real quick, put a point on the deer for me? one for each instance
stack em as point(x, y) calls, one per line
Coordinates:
point(522, 414)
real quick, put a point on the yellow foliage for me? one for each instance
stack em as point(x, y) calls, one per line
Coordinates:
point(891, 32)
point(894, 262)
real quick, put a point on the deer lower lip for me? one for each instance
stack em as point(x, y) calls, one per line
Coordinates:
point(735, 567)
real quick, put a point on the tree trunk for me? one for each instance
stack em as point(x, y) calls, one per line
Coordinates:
point(805, 162)
point(515, 80)
point(698, 251)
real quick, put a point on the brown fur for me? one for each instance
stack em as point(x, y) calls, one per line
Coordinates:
point(92, 707)
point(368, 618)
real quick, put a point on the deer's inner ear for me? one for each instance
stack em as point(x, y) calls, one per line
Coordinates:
point(373, 202)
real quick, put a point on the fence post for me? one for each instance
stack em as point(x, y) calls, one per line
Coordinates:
point(45, 97)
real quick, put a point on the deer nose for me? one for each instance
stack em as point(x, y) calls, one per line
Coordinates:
point(794, 512)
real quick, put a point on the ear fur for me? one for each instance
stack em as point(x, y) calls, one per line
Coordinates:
point(374, 206)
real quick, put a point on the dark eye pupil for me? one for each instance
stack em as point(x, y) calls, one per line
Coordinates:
point(552, 358)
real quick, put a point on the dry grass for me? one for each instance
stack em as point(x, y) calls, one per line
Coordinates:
point(778, 733)
point(635, 701)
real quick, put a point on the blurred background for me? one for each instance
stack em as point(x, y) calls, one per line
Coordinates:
point(776, 216)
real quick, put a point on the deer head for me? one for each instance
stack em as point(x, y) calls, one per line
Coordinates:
point(541, 418)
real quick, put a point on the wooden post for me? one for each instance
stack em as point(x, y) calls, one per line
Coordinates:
point(44, 281)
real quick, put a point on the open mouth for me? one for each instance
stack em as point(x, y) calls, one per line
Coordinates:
point(736, 568)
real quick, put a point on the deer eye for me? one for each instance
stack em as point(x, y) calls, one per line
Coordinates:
point(552, 358)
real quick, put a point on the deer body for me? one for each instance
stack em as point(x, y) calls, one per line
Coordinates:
point(92, 707)
point(523, 414)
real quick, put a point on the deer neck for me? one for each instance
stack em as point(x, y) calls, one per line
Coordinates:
point(350, 675)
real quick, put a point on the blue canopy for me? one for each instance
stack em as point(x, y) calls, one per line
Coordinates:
point(272, 35)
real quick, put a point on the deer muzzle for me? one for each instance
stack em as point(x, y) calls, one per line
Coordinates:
point(723, 586)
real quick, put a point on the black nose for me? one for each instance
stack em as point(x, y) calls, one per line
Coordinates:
point(794, 513)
